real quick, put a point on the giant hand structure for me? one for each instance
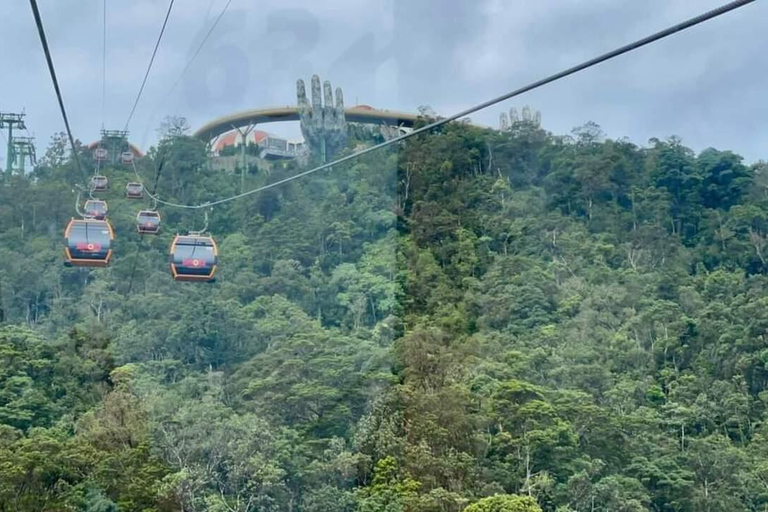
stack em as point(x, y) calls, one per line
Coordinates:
point(323, 125)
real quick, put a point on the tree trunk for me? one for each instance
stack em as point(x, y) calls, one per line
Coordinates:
point(528, 469)
point(682, 438)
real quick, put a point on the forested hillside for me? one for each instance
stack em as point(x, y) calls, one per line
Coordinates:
point(498, 321)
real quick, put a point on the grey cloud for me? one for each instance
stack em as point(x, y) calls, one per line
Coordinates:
point(705, 85)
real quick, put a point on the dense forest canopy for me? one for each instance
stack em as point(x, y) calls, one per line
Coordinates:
point(492, 321)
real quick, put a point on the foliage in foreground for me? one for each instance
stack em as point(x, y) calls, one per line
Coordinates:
point(481, 321)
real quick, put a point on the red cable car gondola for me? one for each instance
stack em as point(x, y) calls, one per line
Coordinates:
point(99, 183)
point(100, 154)
point(134, 190)
point(148, 222)
point(89, 243)
point(126, 157)
point(95, 209)
point(194, 258)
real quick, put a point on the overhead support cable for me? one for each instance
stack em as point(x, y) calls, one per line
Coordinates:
point(200, 46)
point(149, 67)
point(103, 63)
point(52, 70)
point(141, 236)
point(714, 13)
point(189, 63)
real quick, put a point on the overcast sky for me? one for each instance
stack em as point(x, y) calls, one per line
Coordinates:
point(708, 85)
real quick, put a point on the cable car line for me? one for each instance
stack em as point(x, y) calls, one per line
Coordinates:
point(52, 71)
point(97, 170)
point(89, 240)
point(104, 63)
point(202, 43)
point(527, 88)
point(187, 65)
point(149, 67)
point(82, 249)
point(143, 232)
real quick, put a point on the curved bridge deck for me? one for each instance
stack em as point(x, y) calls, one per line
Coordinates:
point(291, 113)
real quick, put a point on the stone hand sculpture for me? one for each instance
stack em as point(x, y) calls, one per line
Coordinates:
point(323, 123)
point(530, 117)
point(503, 122)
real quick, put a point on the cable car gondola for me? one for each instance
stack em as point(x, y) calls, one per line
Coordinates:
point(148, 222)
point(126, 157)
point(99, 183)
point(134, 190)
point(100, 154)
point(95, 209)
point(194, 258)
point(89, 243)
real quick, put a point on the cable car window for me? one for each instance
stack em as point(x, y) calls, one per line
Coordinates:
point(99, 183)
point(148, 221)
point(100, 154)
point(96, 209)
point(86, 232)
point(134, 190)
point(148, 216)
point(186, 252)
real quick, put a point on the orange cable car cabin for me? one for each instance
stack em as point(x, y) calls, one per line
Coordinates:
point(100, 154)
point(89, 243)
point(95, 209)
point(99, 183)
point(194, 258)
point(134, 190)
point(148, 222)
